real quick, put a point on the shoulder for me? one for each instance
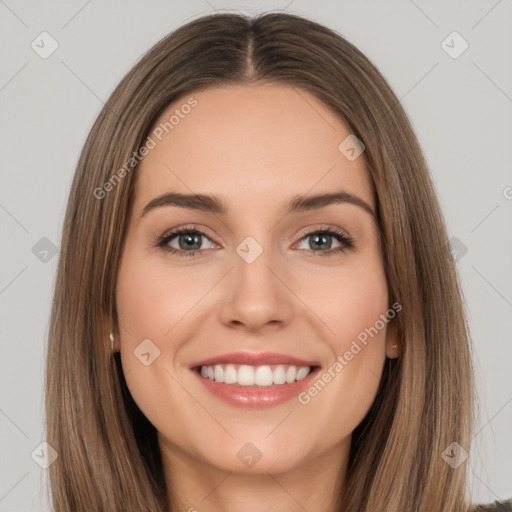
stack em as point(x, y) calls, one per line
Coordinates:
point(497, 506)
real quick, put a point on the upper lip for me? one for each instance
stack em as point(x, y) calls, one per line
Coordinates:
point(251, 359)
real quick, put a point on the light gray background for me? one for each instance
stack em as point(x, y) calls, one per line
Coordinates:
point(460, 108)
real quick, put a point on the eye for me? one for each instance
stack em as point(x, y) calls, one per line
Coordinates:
point(322, 238)
point(189, 242)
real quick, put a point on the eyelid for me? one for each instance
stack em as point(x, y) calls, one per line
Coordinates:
point(313, 228)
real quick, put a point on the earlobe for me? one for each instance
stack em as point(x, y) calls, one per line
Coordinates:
point(108, 336)
point(393, 352)
point(392, 345)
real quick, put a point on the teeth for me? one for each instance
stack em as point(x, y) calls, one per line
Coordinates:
point(291, 373)
point(219, 373)
point(230, 375)
point(245, 375)
point(301, 373)
point(263, 376)
point(279, 375)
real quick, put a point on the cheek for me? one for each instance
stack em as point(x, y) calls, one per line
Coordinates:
point(362, 324)
point(354, 305)
point(153, 298)
point(348, 300)
point(156, 305)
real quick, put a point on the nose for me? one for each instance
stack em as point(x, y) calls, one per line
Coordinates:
point(257, 297)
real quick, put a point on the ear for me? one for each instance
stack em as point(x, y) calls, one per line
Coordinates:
point(392, 339)
point(107, 328)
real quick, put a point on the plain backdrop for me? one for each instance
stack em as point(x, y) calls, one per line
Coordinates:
point(459, 102)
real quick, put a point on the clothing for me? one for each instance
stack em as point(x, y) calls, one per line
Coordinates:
point(497, 506)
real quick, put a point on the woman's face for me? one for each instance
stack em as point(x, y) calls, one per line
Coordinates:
point(263, 279)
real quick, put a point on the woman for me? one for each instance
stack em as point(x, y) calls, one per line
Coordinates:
point(257, 370)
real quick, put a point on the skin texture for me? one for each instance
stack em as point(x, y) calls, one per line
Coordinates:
point(256, 147)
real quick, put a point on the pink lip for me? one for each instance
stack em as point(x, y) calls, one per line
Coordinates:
point(265, 358)
point(255, 397)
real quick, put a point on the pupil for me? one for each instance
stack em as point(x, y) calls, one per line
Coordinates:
point(322, 237)
point(191, 240)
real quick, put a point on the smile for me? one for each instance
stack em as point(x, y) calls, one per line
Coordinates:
point(249, 380)
point(263, 376)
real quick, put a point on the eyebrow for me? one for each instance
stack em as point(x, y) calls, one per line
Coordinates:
point(213, 204)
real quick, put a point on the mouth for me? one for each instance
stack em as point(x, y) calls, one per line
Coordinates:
point(254, 376)
point(255, 381)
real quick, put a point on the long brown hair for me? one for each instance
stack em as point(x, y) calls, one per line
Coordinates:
point(108, 455)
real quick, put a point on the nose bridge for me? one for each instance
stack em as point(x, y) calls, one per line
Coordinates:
point(254, 252)
point(256, 296)
point(253, 262)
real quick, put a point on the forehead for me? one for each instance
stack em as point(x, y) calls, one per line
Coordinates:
point(249, 142)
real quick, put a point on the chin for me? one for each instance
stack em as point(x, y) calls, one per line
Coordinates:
point(254, 458)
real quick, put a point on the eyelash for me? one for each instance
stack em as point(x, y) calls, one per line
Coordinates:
point(346, 241)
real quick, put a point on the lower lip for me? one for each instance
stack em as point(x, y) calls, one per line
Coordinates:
point(256, 397)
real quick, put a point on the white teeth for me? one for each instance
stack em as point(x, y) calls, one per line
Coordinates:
point(279, 375)
point(245, 375)
point(230, 375)
point(301, 373)
point(291, 374)
point(263, 376)
point(219, 373)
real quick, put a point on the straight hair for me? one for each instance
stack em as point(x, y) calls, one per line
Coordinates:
point(108, 453)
